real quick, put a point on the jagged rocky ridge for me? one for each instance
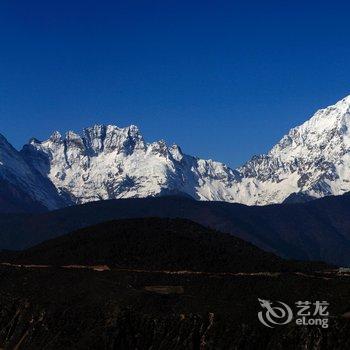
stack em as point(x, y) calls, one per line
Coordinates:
point(106, 162)
point(109, 162)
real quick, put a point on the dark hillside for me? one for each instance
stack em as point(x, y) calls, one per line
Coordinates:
point(316, 230)
point(156, 244)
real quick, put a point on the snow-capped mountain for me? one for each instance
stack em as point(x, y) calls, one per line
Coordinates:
point(110, 162)
point(105, 162)
point(22, 188)
point(312, 159)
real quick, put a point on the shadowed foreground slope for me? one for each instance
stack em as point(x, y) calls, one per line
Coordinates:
point(317, 230)
point(131, 306)
point(56, 309)
point(155, 244)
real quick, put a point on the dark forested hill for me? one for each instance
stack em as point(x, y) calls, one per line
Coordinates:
point(155, 244)
point(316, 230)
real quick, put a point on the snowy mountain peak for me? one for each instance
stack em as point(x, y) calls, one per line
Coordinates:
point(72, 136)
point(21, 185)
point(109, 138)
point(106, 161)
point(56, 137)
point(313, 159)
point(176, 152)
point(327, 130)
point(333, 117)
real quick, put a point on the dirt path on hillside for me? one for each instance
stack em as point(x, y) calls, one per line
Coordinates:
point(327, 275)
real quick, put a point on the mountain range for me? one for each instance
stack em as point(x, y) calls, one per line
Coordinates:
point(316, 230)
point(107, 241)
point(108, 162)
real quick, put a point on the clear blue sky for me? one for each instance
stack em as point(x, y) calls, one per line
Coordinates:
point(223, 79)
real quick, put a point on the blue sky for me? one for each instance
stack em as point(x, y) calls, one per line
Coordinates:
point(223, 79)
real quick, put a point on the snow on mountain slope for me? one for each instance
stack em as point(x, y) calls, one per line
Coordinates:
point(109, 162)
point(313, 159)
point(22, 187)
